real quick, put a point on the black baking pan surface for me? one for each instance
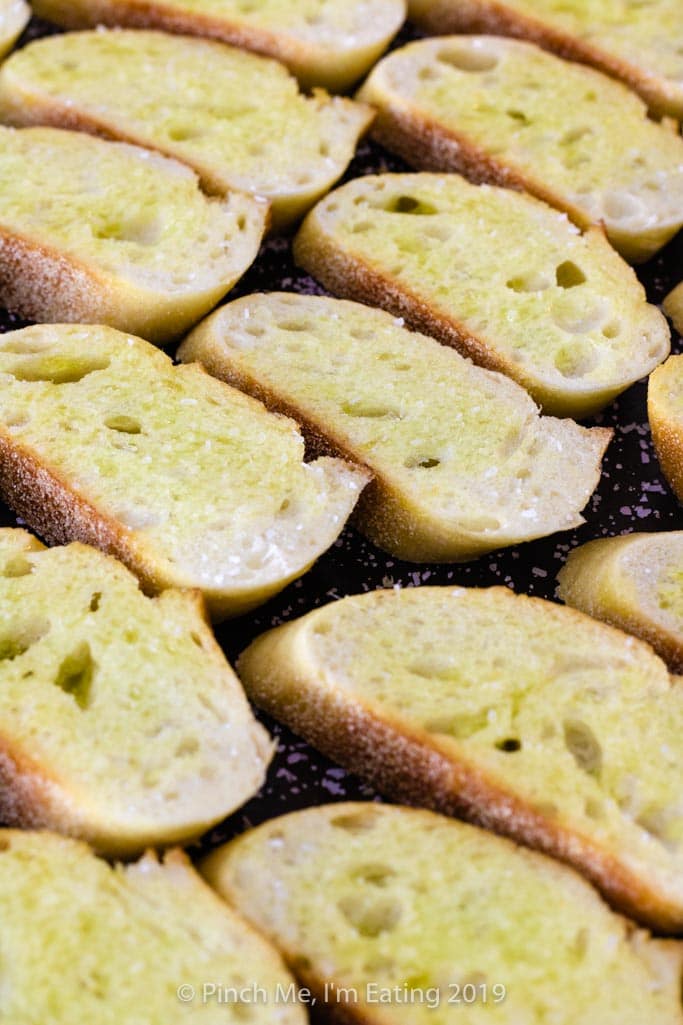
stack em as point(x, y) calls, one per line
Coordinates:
point(632, 495)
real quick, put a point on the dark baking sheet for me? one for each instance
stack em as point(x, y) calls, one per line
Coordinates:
point(632, 495)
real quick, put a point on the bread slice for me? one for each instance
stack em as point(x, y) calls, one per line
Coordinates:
point(237, 119)
point(104, 232)
point(189, 482)
point(461, 461)
point(673, 307)
point(392, 915)
point(14, 16)
point(506, 112)
point(636, 42)
point(149, 942)
point(331, 44)
point(634, 582)
point(524, 716)
point(665, 413)
point(499, 275)
point(120, 720)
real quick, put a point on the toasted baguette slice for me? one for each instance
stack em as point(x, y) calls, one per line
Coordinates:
point(86, 942)
point(462, 463)
point(237, 119)
point(524, 716)
point(665, 413)
point(331, 44)
point(14, 16)
point(639, 43)
point(673, 307)
point(398, 916)
point(499, 275)
point(634, 582)
point(120, 720)
point(103, 232)
point(506, 112)
point(189, 482)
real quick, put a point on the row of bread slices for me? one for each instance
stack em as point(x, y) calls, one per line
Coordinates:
point(124, 236)
point(193, 482)
point(123, 724)
point(333, 43)
point(495, 109)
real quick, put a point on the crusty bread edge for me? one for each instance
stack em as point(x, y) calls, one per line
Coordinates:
point(596, 565)
point(667, 433)
point(410, 765)
point(313, 65)
point(445, 16)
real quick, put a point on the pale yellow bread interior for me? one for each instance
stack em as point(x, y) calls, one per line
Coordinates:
point(462, 461)
point(188, 481)
point(635, 582)
point(635, 41)
point(329, 43)
point(237, 119)
point(104, 232)
point(85, 941)
point(501, 276)
point(527, 717)
point(417, 907)
point(505, 111)
point(121, 721)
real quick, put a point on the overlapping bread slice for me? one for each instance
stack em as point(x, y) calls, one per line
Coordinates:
point(393, 916)
point(526, 717)
point(673, 307)
point(461, 460)
point(14, 15)
point(331, 44)
point(634, 582)
point(83, 941)
point(507, 112)
point(499, 275)
point(237, 119)
point(120, 720)
point(103, 232)
point(635, 41)
point(189, 482)
point(665, 413)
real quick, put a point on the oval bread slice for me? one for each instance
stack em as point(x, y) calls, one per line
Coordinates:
point(403, 917)
point(103, 232)
point(461, 461)
point(331, 44)
point(522, 715)
point(189, 482)
point(673, 307)
point(237, 119)
point(634, 582)
point(506, 112)
point(120, 720)
point(14, 16)
point(665, 413)
point(499, 275)
point(149, 942)
point(634, 41)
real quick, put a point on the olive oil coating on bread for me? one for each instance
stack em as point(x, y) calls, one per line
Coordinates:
point(120, 720)
point(506, 112)
point(461, 460)
point(527, 717)
point(389, 906)
point(186, 480)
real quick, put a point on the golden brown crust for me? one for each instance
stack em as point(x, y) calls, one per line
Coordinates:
point(487, 16)
point(408, 764)
point(667, 432)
